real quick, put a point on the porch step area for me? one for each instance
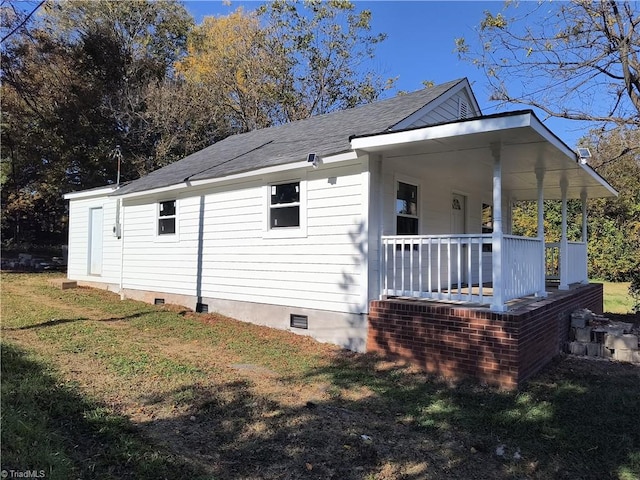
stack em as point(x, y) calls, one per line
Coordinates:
point(63, 283)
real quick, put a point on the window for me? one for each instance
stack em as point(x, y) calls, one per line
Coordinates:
point(406, 209)
point(167, 217)
point(487, 223)
point(487, 218)
point(284, 205)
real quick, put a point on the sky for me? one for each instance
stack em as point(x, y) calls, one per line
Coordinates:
point(420, 46)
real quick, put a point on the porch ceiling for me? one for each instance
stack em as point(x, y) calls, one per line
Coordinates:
point(526, 146)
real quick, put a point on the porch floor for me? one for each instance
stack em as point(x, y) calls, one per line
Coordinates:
point(551, 288)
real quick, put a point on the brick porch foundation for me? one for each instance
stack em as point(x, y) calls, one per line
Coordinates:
point(501, 349)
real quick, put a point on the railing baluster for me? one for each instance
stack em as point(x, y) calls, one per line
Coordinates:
point(439, 272)
point(469, 271)
point(449, 268)
point(420, 268)
point(480, 274)
point(430, 270)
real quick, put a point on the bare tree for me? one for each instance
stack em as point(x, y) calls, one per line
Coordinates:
point(576, 60)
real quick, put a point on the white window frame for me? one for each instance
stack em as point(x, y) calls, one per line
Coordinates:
point(299, 231)
point(166, 237)
point(408, 181)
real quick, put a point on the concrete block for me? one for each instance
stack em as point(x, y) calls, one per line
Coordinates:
point(582, 334)
point(594, 350)
point(616, 330)
point(63, 283)
point(578, 320)
point(621, 342)
point(624, 326)
point(625, 355)
point(577, 348)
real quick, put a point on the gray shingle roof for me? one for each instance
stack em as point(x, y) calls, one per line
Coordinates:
point(323, 134)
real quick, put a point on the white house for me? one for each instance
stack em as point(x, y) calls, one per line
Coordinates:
point(300, 226)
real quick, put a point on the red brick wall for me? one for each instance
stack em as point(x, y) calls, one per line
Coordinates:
point(502, 349)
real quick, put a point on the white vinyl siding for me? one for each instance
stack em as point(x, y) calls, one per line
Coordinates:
point(79, 240)
point(447, 111)
point(159, 265)
point(320, 270)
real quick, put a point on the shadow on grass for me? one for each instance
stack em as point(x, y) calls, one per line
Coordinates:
point(47, 427)
point(576, 419)
point(62, 321)
point(624, 317)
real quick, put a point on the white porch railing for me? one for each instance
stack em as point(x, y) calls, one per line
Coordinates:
point(458, 267)
point(522, 267)
point(576, 262)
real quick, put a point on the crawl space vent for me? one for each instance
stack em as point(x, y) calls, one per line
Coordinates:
point(158, 301)
point(299, 321)
point(202, 308)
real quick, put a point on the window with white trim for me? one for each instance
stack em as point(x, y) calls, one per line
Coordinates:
point(167, 217)
point(284, 205)
point(406, 209)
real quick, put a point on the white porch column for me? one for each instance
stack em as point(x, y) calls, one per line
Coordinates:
point(498, 304)
point(540, 182)
point(564, 246)
point(583, 197)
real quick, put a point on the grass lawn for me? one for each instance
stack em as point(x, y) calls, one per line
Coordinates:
point(617, 298)
point(98, 388)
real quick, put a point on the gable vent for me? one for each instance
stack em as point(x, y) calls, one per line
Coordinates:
point(299, 321)
point(463, 109)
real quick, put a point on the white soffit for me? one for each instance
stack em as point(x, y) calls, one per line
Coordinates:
point(526, 145)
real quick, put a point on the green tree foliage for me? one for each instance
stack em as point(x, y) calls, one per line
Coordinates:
point(232, 60)
point(613, 223)
point(327, 45)
point(73, 87)
point(86, 76)
point(577, 60)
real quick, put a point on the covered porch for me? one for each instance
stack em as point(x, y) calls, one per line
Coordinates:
point(502, 159)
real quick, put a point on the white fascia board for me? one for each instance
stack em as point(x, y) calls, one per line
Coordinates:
point(590, 171)
point(95, 192)
point(542, 130)
point(548, 135)
point(482, 125)
point(341, 157)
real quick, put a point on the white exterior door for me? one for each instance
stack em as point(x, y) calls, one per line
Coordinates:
point(95, 241)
